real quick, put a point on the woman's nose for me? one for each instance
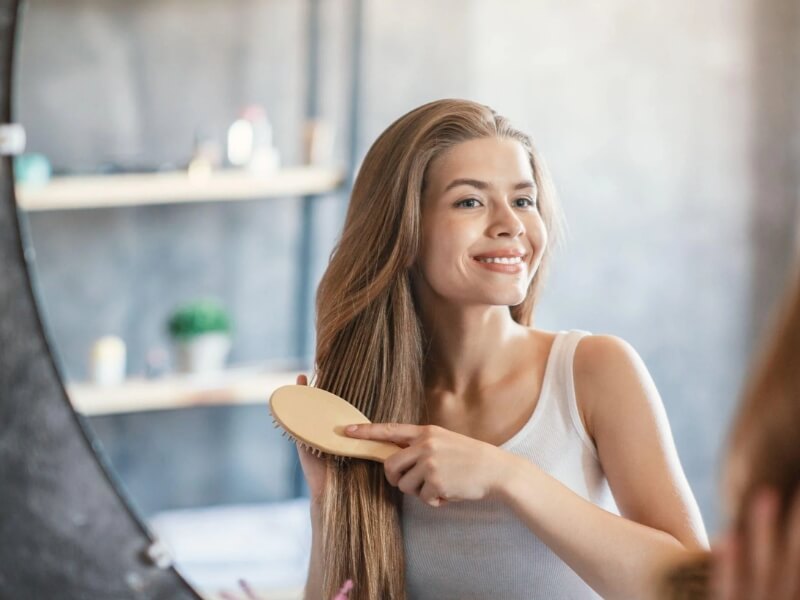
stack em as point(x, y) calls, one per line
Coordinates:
point(505, 223)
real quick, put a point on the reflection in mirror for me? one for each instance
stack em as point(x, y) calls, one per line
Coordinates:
point(186, 178)
point(171, 194)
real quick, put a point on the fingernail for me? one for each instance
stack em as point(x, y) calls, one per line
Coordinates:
point(351, 428)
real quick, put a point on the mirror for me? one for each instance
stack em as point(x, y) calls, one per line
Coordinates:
point(187, 171)
point(181, 213)
point(67, 530)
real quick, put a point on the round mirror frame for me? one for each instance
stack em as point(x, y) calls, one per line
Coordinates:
point(67, 530)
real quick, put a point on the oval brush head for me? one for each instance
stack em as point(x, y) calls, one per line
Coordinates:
point(316, 419)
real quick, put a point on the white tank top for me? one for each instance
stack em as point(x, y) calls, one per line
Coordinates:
point(480, 549)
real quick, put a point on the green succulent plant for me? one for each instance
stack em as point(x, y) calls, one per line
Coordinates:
point(198, 317)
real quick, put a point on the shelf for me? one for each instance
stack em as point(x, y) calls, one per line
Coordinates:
point(62, 193)
point(230, 387)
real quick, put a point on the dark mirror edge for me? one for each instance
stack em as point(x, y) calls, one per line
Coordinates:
point(66, 526)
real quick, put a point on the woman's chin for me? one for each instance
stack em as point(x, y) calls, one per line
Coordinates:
point(506, 299)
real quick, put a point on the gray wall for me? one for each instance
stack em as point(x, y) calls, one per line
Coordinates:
point(671, 131)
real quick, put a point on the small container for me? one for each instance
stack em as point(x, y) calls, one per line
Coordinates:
point(318, 138)
point(32, 169)
point(204, 353)
point(250, 142)
point(201, 335)
point(107, 361)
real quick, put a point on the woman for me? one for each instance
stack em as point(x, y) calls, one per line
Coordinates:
point(515, 438)
point(758, 558)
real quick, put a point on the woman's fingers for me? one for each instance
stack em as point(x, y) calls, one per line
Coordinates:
point(400, 433)
point(429, 495)
point(761, 535)
point(399, 463)
point(412, 481)
point(764, 563)
point(725, 568)
point(789, 578)
point(302, 379)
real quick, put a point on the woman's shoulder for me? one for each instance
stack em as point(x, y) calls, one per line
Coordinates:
point(605, 367)
point(596, 355)
point(601, 354)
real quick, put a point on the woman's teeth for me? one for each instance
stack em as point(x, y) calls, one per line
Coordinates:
point(503, 261)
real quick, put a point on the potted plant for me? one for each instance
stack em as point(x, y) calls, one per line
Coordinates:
point(201, 332)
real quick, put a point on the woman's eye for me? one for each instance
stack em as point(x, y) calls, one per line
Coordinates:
point(468, 200)
point(526, 202)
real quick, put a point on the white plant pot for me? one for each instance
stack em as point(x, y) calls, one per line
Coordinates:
point(203, 353)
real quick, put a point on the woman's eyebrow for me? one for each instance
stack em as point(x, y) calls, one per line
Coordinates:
point(482, 185)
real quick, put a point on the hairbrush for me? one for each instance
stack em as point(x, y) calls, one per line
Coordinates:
point(316, 419)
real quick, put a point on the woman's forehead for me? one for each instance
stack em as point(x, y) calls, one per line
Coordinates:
point(499, 162)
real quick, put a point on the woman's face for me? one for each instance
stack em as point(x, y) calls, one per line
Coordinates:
point(482, 235)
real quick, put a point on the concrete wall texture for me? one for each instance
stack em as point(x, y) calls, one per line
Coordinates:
point(671, 131)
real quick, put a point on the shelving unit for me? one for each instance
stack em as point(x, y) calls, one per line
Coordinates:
point(230, 387)
point(305, 184)
point(82, 192)
point(234, 386)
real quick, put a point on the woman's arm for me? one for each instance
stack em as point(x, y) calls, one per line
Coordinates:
point(617, 557)
point(623, 413)
point(313, 589)
point(620, 557)
point(315, 470)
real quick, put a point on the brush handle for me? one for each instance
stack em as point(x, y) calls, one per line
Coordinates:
point(383, 450)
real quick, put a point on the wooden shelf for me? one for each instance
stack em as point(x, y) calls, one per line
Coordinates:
point(230, 387)
point(62, 193)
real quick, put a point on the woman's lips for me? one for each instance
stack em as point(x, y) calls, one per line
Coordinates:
point(501, 268)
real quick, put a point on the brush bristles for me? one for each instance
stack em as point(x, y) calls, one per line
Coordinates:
point(314, 450)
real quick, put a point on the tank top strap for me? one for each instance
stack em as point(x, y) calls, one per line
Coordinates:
point(566, 382)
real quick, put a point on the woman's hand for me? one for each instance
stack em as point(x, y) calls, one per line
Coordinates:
point(315, 468)
point(764, 563)
point(439, 465)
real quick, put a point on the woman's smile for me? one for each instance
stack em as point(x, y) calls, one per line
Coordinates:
point(502, 265)
point(503, 260)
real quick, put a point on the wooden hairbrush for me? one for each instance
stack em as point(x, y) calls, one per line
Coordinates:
point(316, 419)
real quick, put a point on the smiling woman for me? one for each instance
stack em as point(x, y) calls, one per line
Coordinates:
point(424, 320)
point(527, 449)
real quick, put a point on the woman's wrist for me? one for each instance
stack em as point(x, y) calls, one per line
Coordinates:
point(514, 478)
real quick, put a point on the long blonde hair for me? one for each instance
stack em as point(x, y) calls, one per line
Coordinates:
point(371, 345)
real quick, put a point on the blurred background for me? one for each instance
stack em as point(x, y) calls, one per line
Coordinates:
point(187, 173)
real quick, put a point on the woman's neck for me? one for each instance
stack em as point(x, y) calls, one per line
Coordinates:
point(471, 348)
